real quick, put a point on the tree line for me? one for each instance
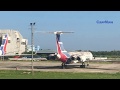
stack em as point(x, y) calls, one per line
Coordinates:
point(109, 54)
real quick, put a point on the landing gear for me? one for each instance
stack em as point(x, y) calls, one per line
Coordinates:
point(88, 63)
point(63, 66)
point(83, 65)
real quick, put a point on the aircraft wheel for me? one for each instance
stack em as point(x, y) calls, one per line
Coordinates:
point(63, 65)
point(82, 66)
point(87, 64)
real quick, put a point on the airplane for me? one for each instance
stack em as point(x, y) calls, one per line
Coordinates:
point(62, 54)
point(3, 48)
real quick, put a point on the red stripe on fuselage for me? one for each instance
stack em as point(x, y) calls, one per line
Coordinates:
point(6, 41)
point(63, 57)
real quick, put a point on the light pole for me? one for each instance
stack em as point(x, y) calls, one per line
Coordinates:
point(32, 42)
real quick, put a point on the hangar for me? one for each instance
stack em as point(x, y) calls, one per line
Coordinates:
point(50, 54)
point(46, 51)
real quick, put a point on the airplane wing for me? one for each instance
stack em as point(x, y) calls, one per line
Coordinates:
point(15, 54)
point(61, 32)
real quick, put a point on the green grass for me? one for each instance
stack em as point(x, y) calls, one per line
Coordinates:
point(16, 74)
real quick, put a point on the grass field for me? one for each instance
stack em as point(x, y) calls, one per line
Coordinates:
point(15, 74)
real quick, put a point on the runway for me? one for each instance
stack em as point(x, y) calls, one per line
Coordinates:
point(56, 66)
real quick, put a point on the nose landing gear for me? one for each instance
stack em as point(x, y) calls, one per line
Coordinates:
point(83, 65)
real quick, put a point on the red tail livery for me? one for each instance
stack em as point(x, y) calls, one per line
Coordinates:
point(3, 45)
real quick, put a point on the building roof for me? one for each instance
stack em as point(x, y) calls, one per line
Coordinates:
point(46, 51)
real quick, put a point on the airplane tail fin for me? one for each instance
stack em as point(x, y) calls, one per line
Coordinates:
point(3, 45)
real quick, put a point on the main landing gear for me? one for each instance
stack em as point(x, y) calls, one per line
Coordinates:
point(83, 65)
point(63, 66)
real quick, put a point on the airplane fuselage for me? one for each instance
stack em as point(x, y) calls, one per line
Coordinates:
point(62, 55)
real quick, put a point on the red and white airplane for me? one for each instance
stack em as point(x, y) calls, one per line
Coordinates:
point(62, 54)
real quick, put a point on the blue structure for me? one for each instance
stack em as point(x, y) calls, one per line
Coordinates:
point(35, 48)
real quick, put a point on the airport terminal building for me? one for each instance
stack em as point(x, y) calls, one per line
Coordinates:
point(16, 43)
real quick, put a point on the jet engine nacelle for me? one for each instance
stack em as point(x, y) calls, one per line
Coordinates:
point(58, 55)
point(72, 58)
point(83, 58)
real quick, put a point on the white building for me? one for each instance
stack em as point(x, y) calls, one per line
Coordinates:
point(16, 43)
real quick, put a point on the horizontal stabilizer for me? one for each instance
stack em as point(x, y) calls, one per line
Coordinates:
point(56, 32)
